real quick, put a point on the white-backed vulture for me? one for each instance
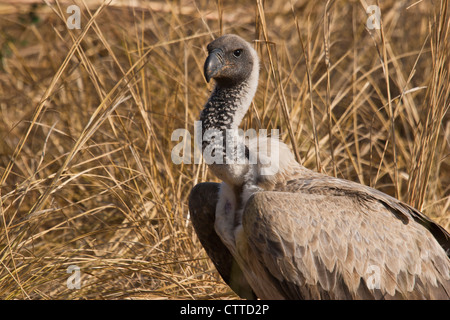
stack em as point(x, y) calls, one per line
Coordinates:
point(285, 232)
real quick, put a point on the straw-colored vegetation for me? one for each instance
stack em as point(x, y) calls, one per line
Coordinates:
point(86, 117)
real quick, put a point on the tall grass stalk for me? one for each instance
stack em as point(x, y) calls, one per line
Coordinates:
point(86, 118)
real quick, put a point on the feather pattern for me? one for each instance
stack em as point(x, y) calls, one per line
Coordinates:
point(202, 206)
point(376, 261)
point(299, 234)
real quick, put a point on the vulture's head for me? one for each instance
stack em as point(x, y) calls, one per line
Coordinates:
point(231, 60)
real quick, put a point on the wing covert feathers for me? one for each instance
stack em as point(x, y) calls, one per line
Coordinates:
point(322, 246)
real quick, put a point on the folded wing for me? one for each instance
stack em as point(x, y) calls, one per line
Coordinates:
point(338, 244)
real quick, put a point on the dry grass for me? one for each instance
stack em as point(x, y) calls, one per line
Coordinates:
point(86, 117)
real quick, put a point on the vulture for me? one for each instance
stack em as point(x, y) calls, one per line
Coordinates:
point(277, 230)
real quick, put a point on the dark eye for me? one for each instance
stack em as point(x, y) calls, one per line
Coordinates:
point(237, 53)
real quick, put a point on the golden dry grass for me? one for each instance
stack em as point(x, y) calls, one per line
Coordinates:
point(86, 117)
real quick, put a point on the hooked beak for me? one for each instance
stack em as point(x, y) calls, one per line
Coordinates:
point(213, 64)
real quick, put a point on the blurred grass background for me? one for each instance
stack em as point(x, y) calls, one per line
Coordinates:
point(86, 118)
